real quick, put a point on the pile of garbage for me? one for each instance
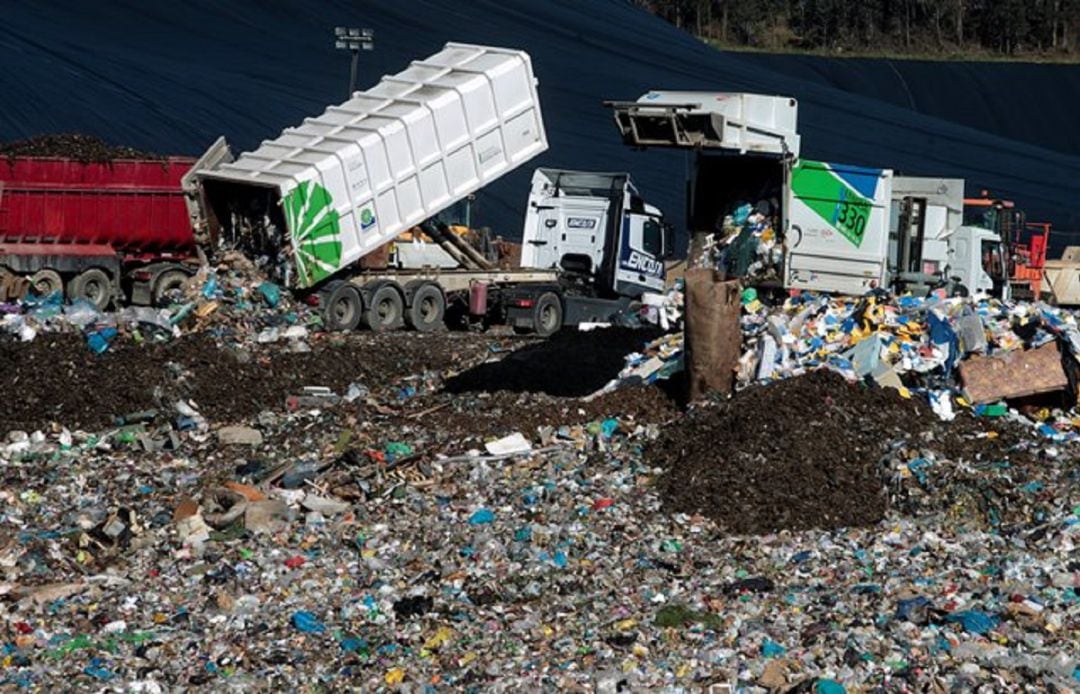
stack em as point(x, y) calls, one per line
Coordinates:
point(746, 245)
point(351, 523)
point(83, 148)
point(955, 352)
point(231, 301)
point(996, 359)
point(833, 454)
point(803, 454)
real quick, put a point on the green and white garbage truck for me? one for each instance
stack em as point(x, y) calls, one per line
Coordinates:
point(842, 228)
point(316, 205)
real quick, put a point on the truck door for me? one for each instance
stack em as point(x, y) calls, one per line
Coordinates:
point(641, 254)
point(539, 248)
point(566, 227)
point(838, 227)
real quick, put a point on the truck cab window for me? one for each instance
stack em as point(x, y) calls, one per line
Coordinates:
point(991, 258)
point(653, 238)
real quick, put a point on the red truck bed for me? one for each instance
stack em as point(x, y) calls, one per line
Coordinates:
point(133, 206)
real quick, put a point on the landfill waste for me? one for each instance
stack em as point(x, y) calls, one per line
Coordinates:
point(369, 539)
point(955, 353)
point(746, 244)
point(230, 301)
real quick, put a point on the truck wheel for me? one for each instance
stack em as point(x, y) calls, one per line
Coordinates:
point(548, 314)
point(342, 307)
point(386, 309)
point(428, 308)
point(45, 282)
point(12, 286)
point(168, 286)
point(94, 286)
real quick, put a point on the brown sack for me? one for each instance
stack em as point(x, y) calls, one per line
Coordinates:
point(713, 336)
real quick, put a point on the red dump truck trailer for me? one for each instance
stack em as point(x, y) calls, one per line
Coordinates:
point(105, 232)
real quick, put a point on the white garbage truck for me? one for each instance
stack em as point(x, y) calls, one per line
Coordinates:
point(930, 247)
point(316, 205)
point(842, 228)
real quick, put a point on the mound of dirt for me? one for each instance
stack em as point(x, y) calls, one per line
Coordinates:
point(84, 148)
point(801, 453)
point(56, 378)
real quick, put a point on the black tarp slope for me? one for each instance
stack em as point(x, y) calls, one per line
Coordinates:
point(1035, 103)
point(173, 76)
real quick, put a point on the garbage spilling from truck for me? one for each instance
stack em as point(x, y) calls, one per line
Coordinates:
point(746, 245)
point(230, 300)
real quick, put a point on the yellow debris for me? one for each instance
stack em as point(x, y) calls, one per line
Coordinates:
point(440, 638)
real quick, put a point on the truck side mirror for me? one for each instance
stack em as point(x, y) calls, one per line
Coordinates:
point(669, 240)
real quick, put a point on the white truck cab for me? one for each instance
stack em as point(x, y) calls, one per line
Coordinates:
point(929, 246)
point(977, 261)
point(595, 225)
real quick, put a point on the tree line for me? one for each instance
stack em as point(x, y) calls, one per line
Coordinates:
point(1045, 28)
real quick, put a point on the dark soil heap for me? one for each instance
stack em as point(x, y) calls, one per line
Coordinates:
point(84, 148)
point(57, 378)
point(800, 453)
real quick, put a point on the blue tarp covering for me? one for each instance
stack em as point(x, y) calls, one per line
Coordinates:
point(171, 77)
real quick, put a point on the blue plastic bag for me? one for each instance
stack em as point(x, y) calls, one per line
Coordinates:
point(308, 623)
point(973, 621)
point(99, 340)
point(481, 517)
point(271, 294)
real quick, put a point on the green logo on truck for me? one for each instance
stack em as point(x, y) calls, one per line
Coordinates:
point(316, 232)
point(843, 196)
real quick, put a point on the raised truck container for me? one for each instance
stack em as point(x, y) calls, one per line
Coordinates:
point(321, 202)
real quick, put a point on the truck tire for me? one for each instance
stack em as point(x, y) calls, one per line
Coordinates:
point(12, 286)
point(45, 282)
point(548, 314)
point(428, 308)
point(342, 307)
point(386, 309)
point(93, 285)
point(168, 285)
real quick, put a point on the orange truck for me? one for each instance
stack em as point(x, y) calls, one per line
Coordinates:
point(1026, 241)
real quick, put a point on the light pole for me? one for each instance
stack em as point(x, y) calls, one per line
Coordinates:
point(355, 40)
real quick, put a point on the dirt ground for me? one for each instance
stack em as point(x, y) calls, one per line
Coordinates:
point(496, 385)
point(57, 379)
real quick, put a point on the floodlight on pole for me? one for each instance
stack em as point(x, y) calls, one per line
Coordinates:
point(354, 40)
